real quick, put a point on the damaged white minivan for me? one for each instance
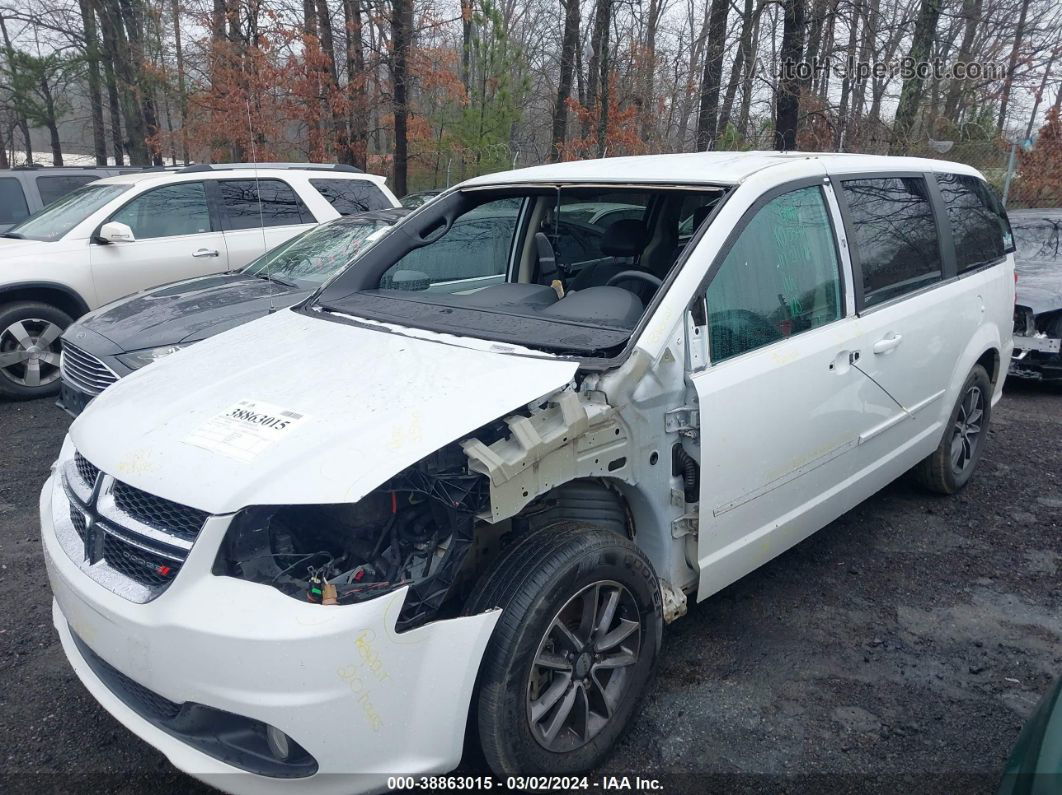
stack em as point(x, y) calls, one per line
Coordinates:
point(456, 494)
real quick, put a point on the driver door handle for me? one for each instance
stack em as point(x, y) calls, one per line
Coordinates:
point(887, 343)
point(205, 252)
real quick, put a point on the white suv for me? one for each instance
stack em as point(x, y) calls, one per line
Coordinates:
point(125, 233)
point(474, 475)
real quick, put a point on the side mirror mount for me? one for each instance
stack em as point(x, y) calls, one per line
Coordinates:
point(115, 232)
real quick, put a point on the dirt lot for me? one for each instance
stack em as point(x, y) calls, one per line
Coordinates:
point(899, 649)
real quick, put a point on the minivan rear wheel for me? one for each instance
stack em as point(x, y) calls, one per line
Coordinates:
point(573, 651)
point(29, 349)
point(952, 464)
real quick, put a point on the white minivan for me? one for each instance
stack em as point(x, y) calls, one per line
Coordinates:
point(121, 234)
point(466, 483)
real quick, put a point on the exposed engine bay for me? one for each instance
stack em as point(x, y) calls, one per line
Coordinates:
point(414, 530)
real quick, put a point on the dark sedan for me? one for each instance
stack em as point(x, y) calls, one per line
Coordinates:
point(123, 336)
point(1038, 310)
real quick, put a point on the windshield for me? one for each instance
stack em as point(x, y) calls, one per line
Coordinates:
point(65, 213)
point(310, 259)
point(567, 269)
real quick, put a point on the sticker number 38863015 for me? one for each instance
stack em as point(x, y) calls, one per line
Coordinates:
point(245, 429)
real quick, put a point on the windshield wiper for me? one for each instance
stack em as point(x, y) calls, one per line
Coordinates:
point(272, 277)
point(14, 235)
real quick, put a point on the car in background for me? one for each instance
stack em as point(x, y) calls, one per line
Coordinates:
point(412, 201)
point(118, 235)
point(1038, 310)
point(1035, 764)
point(26, 189)
point(123, 336)
point(601, 213)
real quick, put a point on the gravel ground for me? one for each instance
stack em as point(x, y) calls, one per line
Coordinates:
point(898, 649)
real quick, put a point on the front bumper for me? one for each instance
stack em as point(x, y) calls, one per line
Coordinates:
point(364, 701)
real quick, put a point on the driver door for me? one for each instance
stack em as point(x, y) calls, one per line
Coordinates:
point(782, 407)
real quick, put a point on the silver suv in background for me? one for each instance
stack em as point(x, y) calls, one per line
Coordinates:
point(26, 189)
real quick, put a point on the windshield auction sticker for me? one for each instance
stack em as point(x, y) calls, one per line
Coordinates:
point(244, 430)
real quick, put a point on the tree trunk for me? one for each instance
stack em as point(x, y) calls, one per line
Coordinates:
point(604, 84)
point(340, 136)
point(750, 73)
point(646, 116)
point(467, 12)
point(20, 118)
point(602, 15)
point(118, 50)
point(182, 92)
point(744, 45)
point(787, 114)
point(708, 115)
point(1008, 81)
point(113, 104)
point(4, 162)
point(50, 121)
point(569, 43)
point(971, 12)
point(131, 13)
point(92, 59)
point(846, 81)
point(911, 92)
point(359, 130)
point(401, 33)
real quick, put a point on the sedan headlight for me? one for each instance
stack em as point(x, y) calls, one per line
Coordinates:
point(137, 359)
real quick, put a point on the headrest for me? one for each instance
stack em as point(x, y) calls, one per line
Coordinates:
point(624, 238)
point(699, 214)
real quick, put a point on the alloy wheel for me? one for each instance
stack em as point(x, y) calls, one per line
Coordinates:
point(966, 434)
point(581, 671)
point(29, 352)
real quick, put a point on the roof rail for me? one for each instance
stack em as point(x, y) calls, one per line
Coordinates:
point(196, 168)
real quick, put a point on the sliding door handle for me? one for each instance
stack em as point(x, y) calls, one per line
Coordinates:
point(206, 252)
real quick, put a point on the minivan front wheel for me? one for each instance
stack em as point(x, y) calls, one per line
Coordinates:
point(570, 658)
point(952, 464)
point(29, 349)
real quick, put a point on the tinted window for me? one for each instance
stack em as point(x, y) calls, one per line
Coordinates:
point(12, 201)
point(476, 246)
point(165, 212)
point(780, 278)
point(51, 188)
point(895, 235)
point(978, 222)
point(280, 205)
point(350, 196)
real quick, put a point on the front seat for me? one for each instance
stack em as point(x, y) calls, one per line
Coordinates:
point(624, 241)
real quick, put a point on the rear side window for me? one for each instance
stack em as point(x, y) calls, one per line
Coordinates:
point(52, 188)
point(280, 206)
point(895, 236)
point(978, 221)
point(349, 196)
point(780, 278)
point(12, 201)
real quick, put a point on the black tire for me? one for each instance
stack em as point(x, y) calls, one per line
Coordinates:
point(939, 472)
point(533, 582)
point(32, 321)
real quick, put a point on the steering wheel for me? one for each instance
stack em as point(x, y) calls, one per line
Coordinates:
point(634, 275)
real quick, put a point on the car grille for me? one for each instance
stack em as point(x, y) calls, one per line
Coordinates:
point(172, 517)
point(128, 540)
point(87, 471)
point(147, 703)
point(84, 371)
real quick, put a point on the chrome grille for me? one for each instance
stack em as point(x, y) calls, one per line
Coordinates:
point(131, 542)
point(84, 371)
